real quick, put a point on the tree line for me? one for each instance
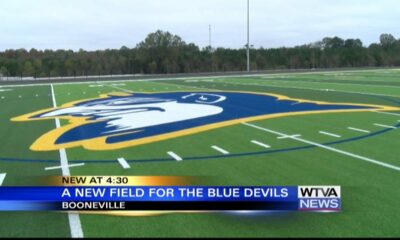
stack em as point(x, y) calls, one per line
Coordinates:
point(163, 52)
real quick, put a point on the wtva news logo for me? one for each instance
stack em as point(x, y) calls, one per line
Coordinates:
point(319, 198)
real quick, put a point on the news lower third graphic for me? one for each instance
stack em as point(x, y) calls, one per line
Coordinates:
point(122, 193)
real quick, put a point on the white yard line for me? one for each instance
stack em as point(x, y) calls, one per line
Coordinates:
point(73, 218)
point(175, 156)
point(202, 88)
point(330, 134)
point(123, 163)
point(2, 177)
point(384, 126)
point(359, 130)
point(387, 113)
point(260, 144)
point(289, 136)
point(63, 166)
point(221, 150)
point(393, 167)
point(120, 88)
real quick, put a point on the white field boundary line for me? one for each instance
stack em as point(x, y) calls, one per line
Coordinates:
point(221, 150)
point(175, 156)
point(195, 77)
point(346, 78)
point(331, 83)
point(387, 113)
point(205, 77)
point(330, 134)
point(315, 89)
point(134, 80)
point(260, 144)
point(2, 177)
point(358, 130)
point(386, 165)
point(384, 126)
point(73, 218)
point(123, 163)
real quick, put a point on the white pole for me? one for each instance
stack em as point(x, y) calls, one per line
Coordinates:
point(248, 36)
point(209, 35)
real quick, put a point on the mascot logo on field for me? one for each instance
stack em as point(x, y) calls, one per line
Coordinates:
point(122, 120)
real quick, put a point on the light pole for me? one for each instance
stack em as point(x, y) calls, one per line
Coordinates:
point(209, 36)
point(248, 35)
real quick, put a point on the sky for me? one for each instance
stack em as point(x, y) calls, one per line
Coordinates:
point(103, 24)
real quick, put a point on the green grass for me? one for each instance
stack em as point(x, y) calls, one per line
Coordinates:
point(370, 193)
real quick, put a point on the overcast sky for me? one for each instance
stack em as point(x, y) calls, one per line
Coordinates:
point(101, 24)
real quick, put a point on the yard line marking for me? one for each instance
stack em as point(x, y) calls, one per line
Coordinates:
point(327, 148)
point(385, 126)
point(330, 134)
point(174, 156)
point(73, 218)
point(388, 113)
point(289, 136)
point(2, 176)
point(62, 166)
point(260, 144)
point(358, 130)
point(221, 150)
point(124, 163)
point(120, 88)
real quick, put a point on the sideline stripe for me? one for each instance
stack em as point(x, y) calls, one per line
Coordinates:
point(223, 151)
point(123, 163)
point(175, 156)
point(330, 134)
point(2, 176)
point(260, 144)
point(388, 113)
point(73, 218)
point(328, 148)
point(385, 126)
point(358, 130)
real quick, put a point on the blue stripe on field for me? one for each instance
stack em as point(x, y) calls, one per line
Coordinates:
point(113, 161)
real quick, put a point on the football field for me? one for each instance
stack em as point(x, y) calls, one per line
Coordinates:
point(354, 143)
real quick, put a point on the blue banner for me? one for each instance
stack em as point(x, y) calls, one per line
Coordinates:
point(164, 198)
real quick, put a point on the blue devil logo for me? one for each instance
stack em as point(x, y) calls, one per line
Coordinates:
point(118, 121)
